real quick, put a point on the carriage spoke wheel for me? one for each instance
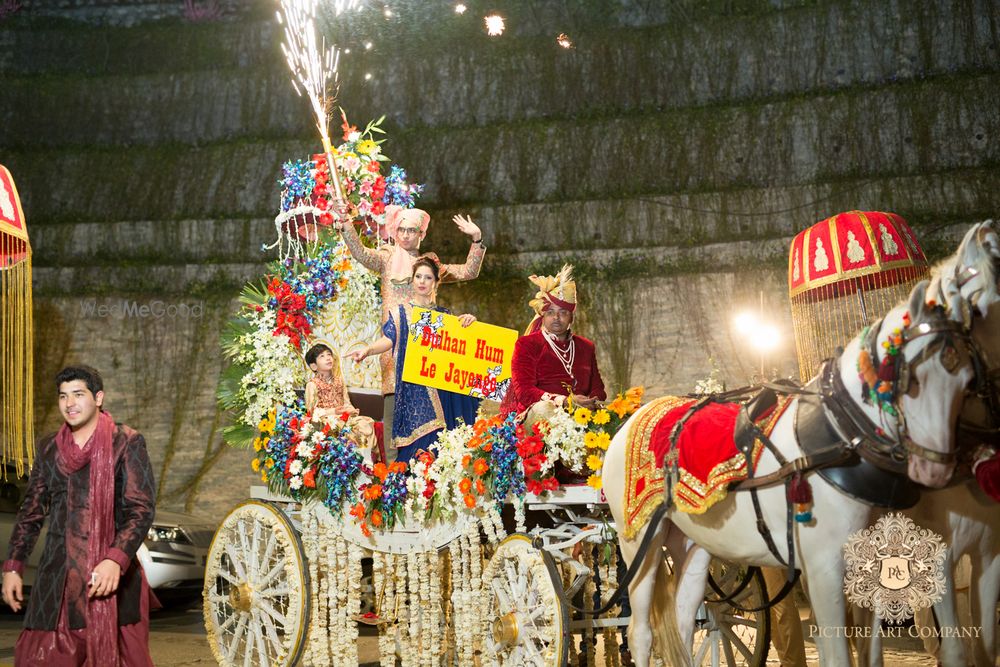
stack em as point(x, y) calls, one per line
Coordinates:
point(724, 636)
point(256, 595)
point(528, 624)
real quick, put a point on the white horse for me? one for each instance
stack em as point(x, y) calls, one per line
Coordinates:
point(728, 530)
point(968, 520)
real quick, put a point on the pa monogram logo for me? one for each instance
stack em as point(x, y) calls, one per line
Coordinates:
point(894, 568)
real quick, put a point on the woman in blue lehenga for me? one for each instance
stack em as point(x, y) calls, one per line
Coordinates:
point(420, 412)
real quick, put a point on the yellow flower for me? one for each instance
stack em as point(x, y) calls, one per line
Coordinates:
point(590, 439)
point(595, 462)
point(618, 407)
point(257, 444)
point(263, 477)
point(594, 481)
point(255, 464)
point(601, 417)
point(582, 416)
point(366, 146)
point(269, 463)
point(603, 441)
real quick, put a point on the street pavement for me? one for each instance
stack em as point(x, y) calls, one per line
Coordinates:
point(177, 639)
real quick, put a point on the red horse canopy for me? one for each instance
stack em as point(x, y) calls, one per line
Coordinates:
point(844, 273)
point(16, 391)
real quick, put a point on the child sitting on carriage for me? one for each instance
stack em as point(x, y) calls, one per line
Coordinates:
point(327, 398)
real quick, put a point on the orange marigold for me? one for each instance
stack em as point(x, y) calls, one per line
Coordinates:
point(365, 531)
point(380, 470)
point(466, 460)
point(373, 492)
point(470, 501)
point(480, 487)
point(358, 511)
point(465, 485)
point(480, 467)
point(376, 518)
point(397, 466)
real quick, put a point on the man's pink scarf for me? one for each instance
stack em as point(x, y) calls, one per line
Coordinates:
point(102, 613)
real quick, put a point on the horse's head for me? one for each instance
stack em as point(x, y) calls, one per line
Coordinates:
point(933, 370)
point(969, 282)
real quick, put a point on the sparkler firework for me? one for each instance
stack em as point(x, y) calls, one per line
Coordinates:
point(313, 65)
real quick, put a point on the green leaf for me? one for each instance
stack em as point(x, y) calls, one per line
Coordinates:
point(239, 435)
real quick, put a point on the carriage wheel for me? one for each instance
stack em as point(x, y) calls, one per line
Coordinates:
point(256, 596)
point(726, 636)
point(529, 624)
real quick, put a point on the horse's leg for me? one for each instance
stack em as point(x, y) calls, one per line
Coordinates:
point(869, 649)
point(824, 569)
point(641, 592)
point(692, 576)
point(984, 592)
point(947, 649)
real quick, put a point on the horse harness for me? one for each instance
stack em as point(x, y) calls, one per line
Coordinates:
point(838, 440)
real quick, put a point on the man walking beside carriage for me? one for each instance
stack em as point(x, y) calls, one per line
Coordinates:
point(94, 482)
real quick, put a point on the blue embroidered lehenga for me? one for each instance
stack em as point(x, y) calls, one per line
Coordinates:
point(420, 412)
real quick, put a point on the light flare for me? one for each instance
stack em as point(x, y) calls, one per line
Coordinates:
point(494, 25)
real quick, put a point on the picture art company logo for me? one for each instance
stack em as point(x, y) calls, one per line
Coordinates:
point(895, 568)
point(157, 310)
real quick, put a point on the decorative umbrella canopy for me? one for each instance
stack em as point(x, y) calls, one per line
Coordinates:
point(17, 418)
point(843, 274)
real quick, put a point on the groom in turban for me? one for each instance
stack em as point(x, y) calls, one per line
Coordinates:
point(550, 362)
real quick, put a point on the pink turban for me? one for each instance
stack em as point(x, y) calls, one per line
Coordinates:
point(396, 215)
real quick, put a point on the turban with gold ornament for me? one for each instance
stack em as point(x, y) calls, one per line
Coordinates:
point(557, 291)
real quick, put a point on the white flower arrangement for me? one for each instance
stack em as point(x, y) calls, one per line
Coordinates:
point(275, 369)
point(564, 442)
point(447, 470)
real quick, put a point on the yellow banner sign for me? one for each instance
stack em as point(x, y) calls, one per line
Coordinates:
point(472, 360)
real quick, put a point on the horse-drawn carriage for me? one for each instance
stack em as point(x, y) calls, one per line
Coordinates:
point(289, 581)
point(273, 581)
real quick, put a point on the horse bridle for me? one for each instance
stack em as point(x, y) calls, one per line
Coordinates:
point(881, 450)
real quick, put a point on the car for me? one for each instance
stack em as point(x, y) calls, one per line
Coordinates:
point(173, 554)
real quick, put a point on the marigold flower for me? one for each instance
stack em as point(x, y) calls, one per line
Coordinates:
point(358, 511)
point(470, 501)
point(466, 460)
point(480, 426)
point(602, 417)
point(480, 487)
point(480, 467)
point(595, 481)
point(595, 462)
point(373, 492)
point(380, 470)
point(582, 416)
point(255, 465)
point(376, 518)
point(474, 442)
point(465, 485)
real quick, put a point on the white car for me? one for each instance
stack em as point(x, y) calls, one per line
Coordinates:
point(173, 554)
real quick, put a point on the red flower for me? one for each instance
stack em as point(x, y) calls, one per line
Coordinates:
point(374, 167)
point(550, 484)
point(533, 464)
point(345, 415)
point(534, 486)
point(378, 208)
point(309, 479)
point(430, 489)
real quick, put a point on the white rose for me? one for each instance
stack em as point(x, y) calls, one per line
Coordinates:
point(295, 468)
point(295, 483)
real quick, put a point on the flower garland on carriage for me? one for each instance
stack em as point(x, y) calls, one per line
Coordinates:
point(477, 466)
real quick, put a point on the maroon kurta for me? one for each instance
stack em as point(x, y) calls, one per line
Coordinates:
point(63, 568)
point(536, 370)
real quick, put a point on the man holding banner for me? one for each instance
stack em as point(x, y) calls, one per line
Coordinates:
point(550, 362)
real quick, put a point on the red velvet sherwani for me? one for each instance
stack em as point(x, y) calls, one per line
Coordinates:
point(63, 568)
point(536, 370)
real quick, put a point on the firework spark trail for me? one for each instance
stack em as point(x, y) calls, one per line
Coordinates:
point(313, 64)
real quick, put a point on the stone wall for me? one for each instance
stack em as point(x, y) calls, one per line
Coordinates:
point(670, 154)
